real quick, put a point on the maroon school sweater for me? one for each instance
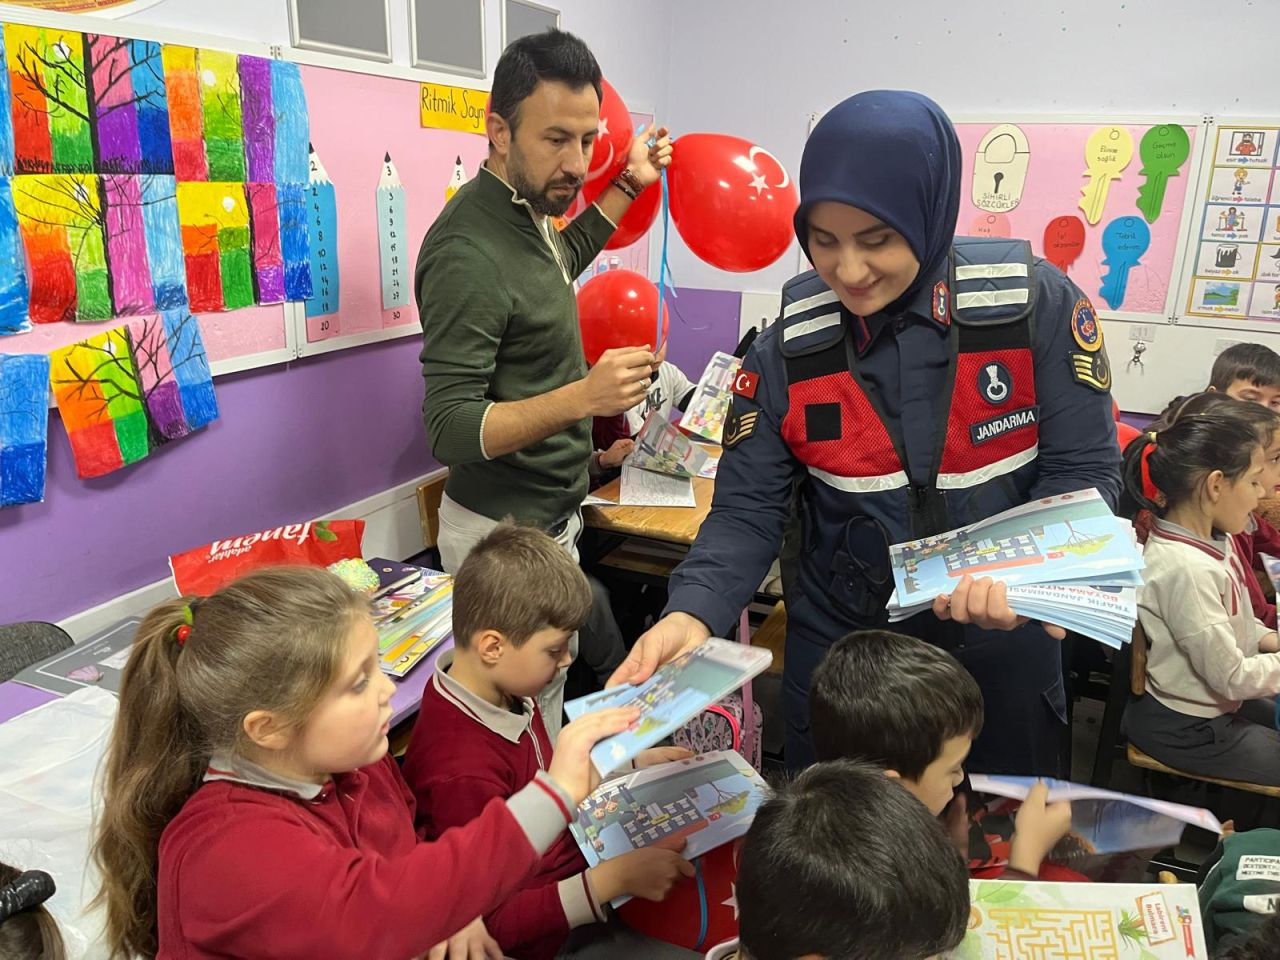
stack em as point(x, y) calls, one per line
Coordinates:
point(464, 754)
point(255, 867)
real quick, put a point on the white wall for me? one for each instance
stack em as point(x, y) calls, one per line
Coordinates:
point(771, 64)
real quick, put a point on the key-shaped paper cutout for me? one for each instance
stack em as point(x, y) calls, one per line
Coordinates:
point(1106, 154)
point(1124, 241)
point(1063, 241)
point(991, 225)
point(1163, 150)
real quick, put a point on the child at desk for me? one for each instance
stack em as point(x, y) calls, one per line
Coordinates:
point(252, 809)
point(480, 736)
point(1201, 476)
point(844, 863)
point(911, 709)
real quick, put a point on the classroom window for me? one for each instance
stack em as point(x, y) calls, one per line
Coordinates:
point(523, 17)
point(448, 35)
point(354, 28)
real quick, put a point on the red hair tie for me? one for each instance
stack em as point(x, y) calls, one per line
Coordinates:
point(1149, 489)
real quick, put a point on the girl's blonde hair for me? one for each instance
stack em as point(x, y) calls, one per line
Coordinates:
point(272, 640)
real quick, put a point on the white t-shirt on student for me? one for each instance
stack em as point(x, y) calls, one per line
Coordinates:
point(663, 394)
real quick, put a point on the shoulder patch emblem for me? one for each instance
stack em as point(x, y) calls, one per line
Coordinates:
point(1085, 326)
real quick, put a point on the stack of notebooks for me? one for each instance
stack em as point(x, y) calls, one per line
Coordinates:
point(1066, 559)
point(413, 613)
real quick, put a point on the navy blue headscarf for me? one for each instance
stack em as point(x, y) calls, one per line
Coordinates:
point(895, 155)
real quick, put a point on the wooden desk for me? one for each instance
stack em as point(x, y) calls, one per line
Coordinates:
point(678, 525)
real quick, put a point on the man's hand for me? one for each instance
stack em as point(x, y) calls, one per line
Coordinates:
point(646, 162)
point(674, 634)
point(985, 604)
point(619, 380)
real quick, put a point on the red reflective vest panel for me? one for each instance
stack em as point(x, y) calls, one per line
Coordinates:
point(992, 426)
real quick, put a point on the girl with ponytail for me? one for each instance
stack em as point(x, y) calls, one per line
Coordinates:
point(1200, 473)
point(252, 808)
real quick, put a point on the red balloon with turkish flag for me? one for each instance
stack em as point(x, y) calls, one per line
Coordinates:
point(613, 141)
point(635, 223)
point(731, 200)
point(618, 308)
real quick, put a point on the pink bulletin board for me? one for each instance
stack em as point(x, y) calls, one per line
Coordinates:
point(1054, 178)
point(236, 340)
point(356, 120)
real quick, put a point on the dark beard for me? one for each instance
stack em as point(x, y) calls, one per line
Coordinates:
point(541, 201)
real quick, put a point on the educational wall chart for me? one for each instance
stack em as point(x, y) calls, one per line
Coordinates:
point(145, 177)
point(1102, 201)
point(125, 392)
point(24, 416)
point(322, 215)
point(1236, 272)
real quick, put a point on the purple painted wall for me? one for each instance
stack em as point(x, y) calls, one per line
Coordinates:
point(701, 322)
point(292, 443)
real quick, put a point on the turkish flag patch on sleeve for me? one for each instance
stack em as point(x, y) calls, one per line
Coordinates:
point(745, 383)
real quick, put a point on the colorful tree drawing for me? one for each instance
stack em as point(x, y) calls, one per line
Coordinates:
point(123, 393)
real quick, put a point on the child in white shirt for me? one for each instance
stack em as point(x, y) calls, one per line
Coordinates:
point(1201, 476)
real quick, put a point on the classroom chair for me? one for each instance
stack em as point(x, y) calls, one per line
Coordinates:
point(429, 496)
point(22, 644)
point(1138, 686)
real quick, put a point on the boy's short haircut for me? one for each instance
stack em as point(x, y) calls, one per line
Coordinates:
point(1251, 362)
point(890, 700)
point(517, 581)
point(844, 863)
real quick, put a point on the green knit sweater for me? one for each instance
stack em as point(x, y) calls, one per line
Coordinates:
point(499, 324)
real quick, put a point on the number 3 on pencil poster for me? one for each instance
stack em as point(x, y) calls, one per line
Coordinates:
point(322, 308)
point(392, 217)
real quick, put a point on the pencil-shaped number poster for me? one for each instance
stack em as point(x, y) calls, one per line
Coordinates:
point(391, 224)
point(324, 250)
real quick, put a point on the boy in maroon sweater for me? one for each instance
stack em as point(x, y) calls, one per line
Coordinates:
point(479, 736)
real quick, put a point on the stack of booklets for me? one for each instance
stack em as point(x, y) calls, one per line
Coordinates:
point(660, 472)
point(706, 801)
point(675, 694)
point(1066, 559)
point(413, 619)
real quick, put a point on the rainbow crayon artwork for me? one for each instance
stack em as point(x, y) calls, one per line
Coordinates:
point(123, 393)
point(138, 178)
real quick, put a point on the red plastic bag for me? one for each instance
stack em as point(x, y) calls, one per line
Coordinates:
point(316, 543)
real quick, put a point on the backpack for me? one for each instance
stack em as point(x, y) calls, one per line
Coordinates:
point(719, 727)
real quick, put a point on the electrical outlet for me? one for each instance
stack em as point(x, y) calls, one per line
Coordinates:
point(1142, 331)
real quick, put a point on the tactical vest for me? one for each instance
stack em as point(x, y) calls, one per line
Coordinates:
point(835, 423)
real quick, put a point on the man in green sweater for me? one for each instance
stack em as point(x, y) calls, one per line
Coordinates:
point(509, 398)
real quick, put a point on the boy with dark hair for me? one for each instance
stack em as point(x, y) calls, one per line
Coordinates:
point(911, 709)
point(1249, 372)
point(842, 864)
point(480, 735)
